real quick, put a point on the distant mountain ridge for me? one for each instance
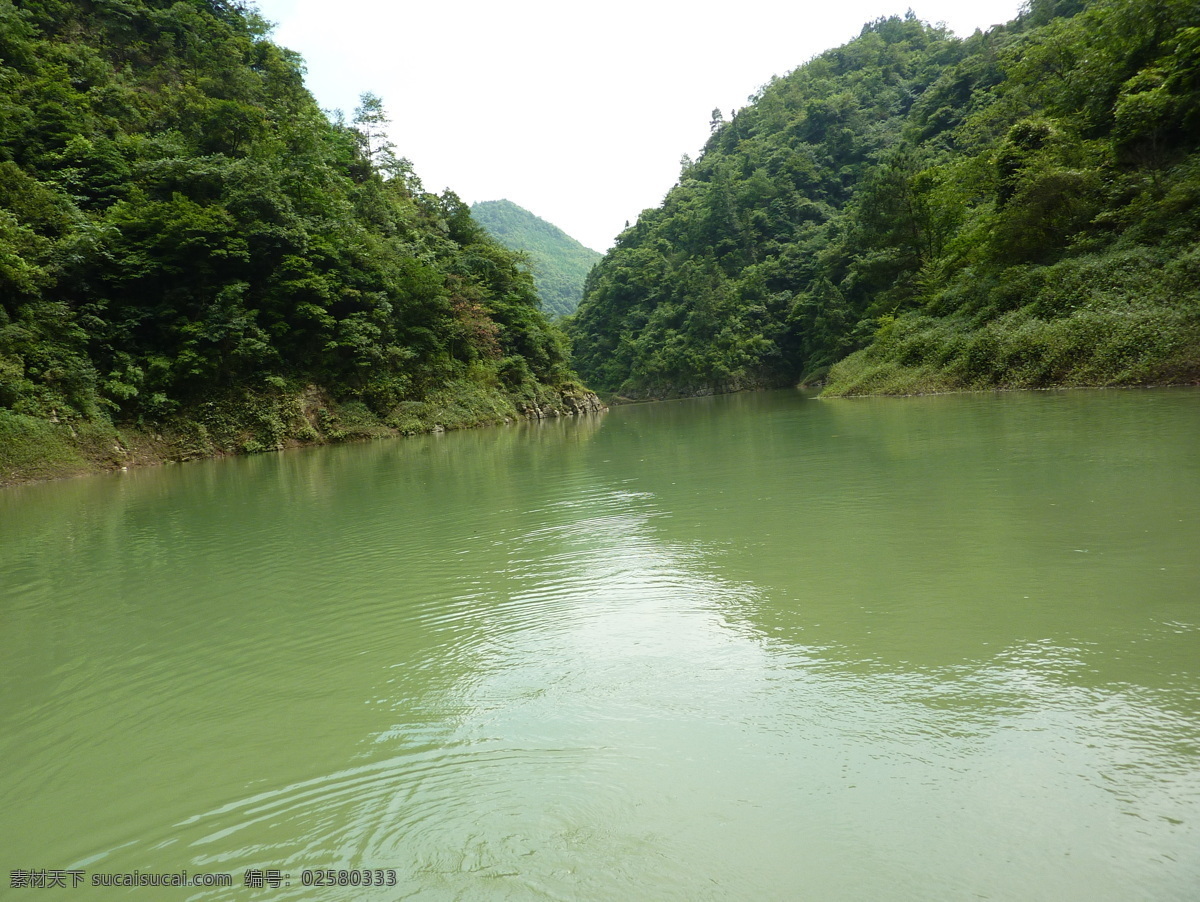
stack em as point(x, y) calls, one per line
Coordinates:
point(560, 263)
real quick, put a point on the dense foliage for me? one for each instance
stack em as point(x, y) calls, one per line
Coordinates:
point(1017, 208)
point(180, 223)
point(560, 263)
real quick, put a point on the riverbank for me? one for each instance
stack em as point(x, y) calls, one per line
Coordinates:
point(897, 381)
point(1126, 340)
point(33, 449)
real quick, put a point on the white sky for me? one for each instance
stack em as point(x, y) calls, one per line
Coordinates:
point(579, 113)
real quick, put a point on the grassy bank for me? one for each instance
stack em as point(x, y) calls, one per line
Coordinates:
point(245, 422)
point(1115, 319)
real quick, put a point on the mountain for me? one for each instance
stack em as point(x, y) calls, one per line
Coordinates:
point(913, 211)
point(194, 259)
point(560, 263)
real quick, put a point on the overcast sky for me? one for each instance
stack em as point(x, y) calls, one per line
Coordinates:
point(577, 112)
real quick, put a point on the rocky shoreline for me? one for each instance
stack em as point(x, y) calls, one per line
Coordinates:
point(35, 450)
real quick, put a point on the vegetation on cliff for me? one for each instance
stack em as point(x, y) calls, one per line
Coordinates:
point(559, 263)
point(914, 211)
point(190, 248)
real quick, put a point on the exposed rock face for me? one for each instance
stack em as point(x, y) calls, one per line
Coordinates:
point(251, 423)
point(570, 403)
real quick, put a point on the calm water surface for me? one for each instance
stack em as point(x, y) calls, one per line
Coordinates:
point(751, 647)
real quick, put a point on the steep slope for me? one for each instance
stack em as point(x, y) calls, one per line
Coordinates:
point(190, 249)
point(1013, 209)
point(560, 263)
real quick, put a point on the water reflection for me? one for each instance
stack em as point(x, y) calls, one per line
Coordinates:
point(709, 650)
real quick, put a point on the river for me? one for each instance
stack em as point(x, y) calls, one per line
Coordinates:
point(758, 646)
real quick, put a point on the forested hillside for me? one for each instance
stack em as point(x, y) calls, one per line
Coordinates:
point(560, 263)
point(190, 248)
point(916, 212)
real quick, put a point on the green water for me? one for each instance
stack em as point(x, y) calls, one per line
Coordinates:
point(750, 647)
